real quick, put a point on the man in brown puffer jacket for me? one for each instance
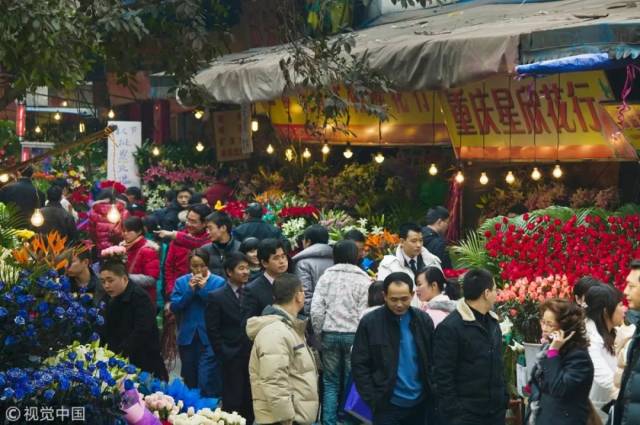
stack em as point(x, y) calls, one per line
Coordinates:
point(283, 372)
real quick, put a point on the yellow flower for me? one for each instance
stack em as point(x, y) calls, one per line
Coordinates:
point(72, 173)
point(218, 206)
point(25, 234)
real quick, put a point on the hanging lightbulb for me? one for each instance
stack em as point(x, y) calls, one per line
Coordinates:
point(155, 151)
point(270, 149)
point(57, 116)
point(510, 179)
point(37, 219)
point(64, 104)
point(325, 149)
point(379, 158)
point(254, 125)
point(38, 130)
point(535, 174)
point(484, 179)
point(111, 114)
point(348, 153)
point(4, 177)
point(199, 147)
point(306, 154)
point(288, 154)
point(198, 114)
point(557, 171)
point(459, 178)
point(81, 127)
point(433, 170)
point(113, 215)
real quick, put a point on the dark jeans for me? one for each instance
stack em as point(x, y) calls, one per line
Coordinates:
point(200, 369)
point(336, 367)
point(467, 419)
point(396, 415)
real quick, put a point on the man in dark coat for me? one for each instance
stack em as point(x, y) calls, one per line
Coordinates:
point(23, 194)
point(468, 370)
point(57, 218)
point(222, 243)
point(223, 317)
point(433, 234)
point(391, 357)
point(627, 406)
point(259, 292)
point(83, 279)
point(254, 226)
point(130, 324)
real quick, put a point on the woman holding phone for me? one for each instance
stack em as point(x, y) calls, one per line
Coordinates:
point(200, 369)
point(562, 377)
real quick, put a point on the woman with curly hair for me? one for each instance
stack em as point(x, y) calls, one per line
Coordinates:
point(562, 377)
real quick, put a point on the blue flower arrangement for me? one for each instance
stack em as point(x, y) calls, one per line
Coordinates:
point(178, 390)
point(39, 315)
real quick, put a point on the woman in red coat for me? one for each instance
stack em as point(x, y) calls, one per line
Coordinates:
point(103, 232)
point(143, 260)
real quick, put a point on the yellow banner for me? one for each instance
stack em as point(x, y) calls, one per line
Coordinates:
point(415, 119)
point(548, 118)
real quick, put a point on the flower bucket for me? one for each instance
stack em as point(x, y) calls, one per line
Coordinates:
point(531, 350)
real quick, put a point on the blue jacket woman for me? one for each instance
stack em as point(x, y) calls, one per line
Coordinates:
point(188, 301)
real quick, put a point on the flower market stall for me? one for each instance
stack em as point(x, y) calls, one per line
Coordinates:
point(53, 366)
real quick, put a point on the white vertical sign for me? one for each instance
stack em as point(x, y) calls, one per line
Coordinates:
point(123, 143)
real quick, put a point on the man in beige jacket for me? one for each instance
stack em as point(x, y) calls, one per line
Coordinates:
point(283, 372)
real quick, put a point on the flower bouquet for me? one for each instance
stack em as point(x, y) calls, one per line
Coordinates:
point(207, 417)
point(521, 300)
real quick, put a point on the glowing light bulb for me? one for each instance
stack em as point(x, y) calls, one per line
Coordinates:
point(64, 104)
point(288, 154)
point(37, 219)
point(199, 147)
point(255, 125)
point(557, 171)
point(155, 151)
point(270, 149)
point(379, 158)
point(510, 179)
point(433, 170)
point(325, 149)
point(4, 177)
point(57, 116)
point(459, 178)
point(38, 130)
point(113, 215)
point(348, 153)
point(306, 154)
point(111, 114)
point(484, 179)
point(198, 114)
point(535, 174)
point(81, 127)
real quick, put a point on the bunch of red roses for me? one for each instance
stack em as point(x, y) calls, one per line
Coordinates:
point(598, 247)
point(235, 209)
point(308, 211)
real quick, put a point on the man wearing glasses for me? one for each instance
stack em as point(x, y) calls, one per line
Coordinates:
point(627, 407)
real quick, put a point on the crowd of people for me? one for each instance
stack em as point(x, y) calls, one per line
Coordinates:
point(301, 339)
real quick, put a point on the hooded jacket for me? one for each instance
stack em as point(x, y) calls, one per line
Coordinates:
point(103, 232)
point(218, 253)
point(439, 307)
point(339, 299)
point(310, 263)
point(283, 372)
point(143, 265)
